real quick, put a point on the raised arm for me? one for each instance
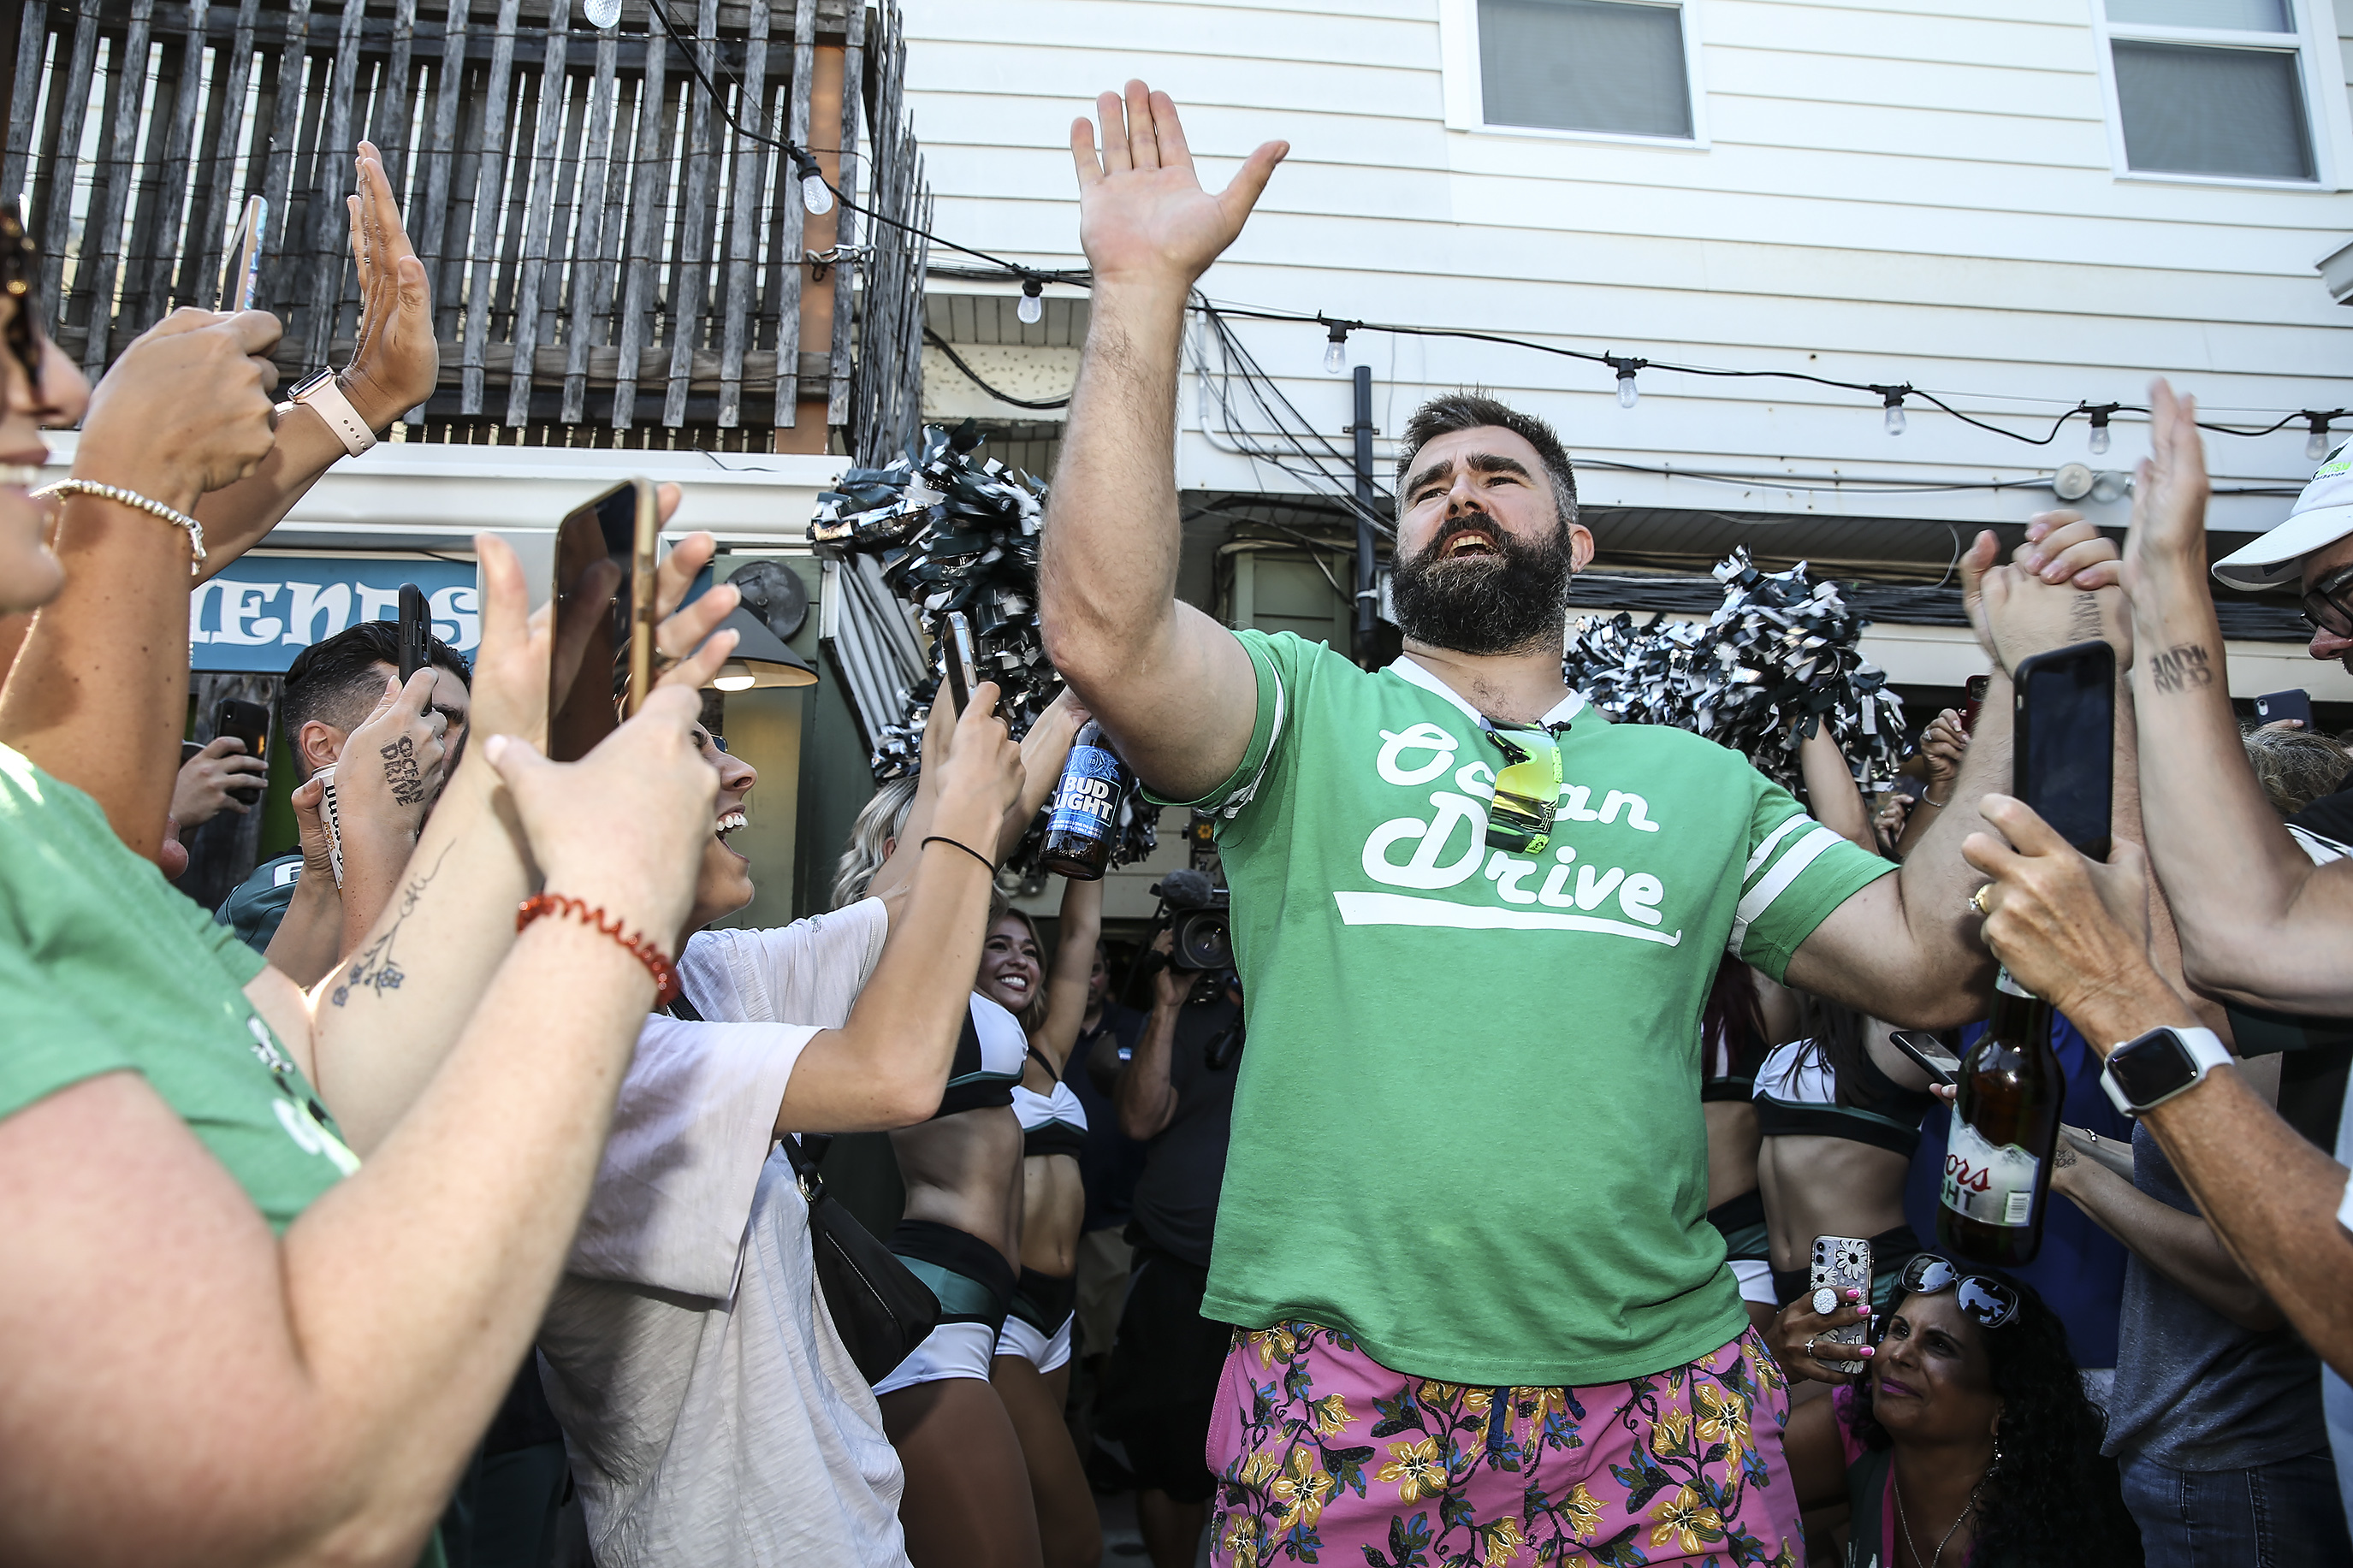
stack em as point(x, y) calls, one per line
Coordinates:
point(1905, 947)
point(1147, 1095)
point(2259, 922)
point(1832, 793)
point(1074, 963)
point(888, 1064)
point(1175, 692)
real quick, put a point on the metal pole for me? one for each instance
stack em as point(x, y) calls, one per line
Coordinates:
point(1363, 430)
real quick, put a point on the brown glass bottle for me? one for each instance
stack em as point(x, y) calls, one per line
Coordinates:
point(2005, 1125)
point(1083, 824)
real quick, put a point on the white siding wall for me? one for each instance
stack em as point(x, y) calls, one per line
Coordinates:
point(1898, 192)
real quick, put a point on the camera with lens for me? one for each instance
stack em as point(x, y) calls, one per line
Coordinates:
point(1197, 912)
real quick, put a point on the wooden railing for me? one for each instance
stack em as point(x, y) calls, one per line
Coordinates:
point(615, 261)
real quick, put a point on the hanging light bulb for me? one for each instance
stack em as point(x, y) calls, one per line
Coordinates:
point(2315, 445)
point(1894, 396)
point(1336, 352)
point(1032, 309)
point(2099, 438)
point(602, 13)
point(813, 194)
point(1628, 392)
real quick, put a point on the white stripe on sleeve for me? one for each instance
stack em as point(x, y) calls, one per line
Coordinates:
point(1775, 882)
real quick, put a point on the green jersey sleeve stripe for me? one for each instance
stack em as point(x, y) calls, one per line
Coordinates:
point(1777, 881)
point(1773, 842)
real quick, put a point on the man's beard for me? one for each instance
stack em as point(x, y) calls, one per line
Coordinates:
point(1509, 602)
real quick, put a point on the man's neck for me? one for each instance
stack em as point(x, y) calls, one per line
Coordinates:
point(1093, 1019)
point(1509, 687)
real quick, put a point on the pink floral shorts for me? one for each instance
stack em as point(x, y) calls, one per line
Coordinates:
point(1319, 1449)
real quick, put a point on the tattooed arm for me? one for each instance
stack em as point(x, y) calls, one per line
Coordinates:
point(2259, 922)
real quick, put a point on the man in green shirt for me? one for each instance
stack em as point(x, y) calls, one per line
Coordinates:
point(1463, 1208)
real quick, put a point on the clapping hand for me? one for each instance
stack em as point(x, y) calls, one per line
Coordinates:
point(395, 359)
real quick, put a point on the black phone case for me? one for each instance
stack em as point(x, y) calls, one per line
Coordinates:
point(2040, 745)
point(416, 631)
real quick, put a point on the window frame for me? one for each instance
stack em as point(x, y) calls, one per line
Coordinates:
point(1465, 96)
point(2320, 72)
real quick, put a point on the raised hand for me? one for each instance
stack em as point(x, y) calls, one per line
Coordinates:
point(395, 360)
point(2169, 521)
point(2019, 609)
point(625, 827)
point(214, 780)
point(1143, 214)
point(185, 408)
point(390, 768)
point(980, 775)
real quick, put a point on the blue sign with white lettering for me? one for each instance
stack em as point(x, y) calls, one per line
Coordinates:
point(263, 610)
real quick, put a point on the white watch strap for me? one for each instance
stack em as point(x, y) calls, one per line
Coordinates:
point(2206, 1047)
point(326, 399)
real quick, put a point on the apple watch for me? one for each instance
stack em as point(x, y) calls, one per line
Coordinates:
point(2145, 1072)
point(323, 396)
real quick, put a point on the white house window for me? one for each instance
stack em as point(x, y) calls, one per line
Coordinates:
point(1609, 67)
point(2212, 88)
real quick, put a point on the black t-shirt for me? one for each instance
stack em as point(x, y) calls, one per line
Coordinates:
point(2331, 815)
point(1184, 1166)
point(1111, 1161)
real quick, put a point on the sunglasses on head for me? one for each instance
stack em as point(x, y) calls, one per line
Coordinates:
point(2329, 606)
point(1989, 1303)
point(1527, 789)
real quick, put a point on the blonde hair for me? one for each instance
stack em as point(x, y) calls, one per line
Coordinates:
point(879, 822)
point(2296, 767)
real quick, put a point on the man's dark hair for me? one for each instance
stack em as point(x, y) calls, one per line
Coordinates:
point(1468, 410)
point(336, 683)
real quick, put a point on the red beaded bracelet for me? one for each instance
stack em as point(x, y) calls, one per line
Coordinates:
point(665, 985)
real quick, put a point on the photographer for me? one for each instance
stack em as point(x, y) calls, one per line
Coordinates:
point(219, 777)
point(1176, 1093)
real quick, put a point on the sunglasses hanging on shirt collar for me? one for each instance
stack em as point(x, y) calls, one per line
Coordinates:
point(1528, 788)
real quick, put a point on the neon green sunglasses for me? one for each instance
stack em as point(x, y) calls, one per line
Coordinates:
point(1527, 789)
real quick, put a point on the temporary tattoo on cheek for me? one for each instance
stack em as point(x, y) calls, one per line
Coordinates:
point(401, 773)
point(2184, 668)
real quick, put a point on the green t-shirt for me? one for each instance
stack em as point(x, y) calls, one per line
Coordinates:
point(1468, 1129)
point(104, 967)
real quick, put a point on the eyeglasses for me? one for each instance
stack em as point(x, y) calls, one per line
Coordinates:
point(2329, 606)
point(1527, 789)
point(1989, 1303)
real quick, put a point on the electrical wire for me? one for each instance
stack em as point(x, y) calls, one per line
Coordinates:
point(973, 376)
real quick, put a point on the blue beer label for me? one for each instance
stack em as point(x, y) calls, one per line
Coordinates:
point(1086, 803)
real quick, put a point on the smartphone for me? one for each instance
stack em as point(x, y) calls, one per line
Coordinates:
point(1929, 1051)
point(241, 274)
point(1843, 1263)
point(2063, 745)
point(249, 723)
point(957, 653)
point(603, 662)
point(1974, 691)
point(416, 631)
point(2274, 706)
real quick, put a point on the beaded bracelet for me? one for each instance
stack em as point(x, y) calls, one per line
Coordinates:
point(133, 499)
point(666, 986)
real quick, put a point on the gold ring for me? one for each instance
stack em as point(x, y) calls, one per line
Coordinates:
point(1976, 899)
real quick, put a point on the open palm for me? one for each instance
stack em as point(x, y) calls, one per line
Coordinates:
point(2168, 522)
point(1143, 214)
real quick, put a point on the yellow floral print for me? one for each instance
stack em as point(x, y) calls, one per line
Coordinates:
point(1416, 1471)
point(1671, 1433)
point(1724, 1418)
point(1276, 1340)
point(1331, 1415)
point(1303, 1488)
point(1258, 1468)
point(1583, 1511)
point(1500, 1541)
point(1688, 1521)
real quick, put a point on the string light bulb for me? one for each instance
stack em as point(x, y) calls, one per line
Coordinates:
point(1628, 394)
point(2098, 442)
point(2315, 445)
point(815, 196)
point(602, 13)
point(1032, 309)
point(1893, 397)
point(1336, 350)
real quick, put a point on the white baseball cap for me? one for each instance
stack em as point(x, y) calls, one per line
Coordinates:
point(2322, 516)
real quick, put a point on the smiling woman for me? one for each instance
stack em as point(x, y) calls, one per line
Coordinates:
point(1967, 1439)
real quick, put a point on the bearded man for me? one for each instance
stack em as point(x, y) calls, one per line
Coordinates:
point(1462, 1222)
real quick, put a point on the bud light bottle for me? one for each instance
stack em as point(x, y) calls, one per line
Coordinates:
point(2005, 1126)
point(1085, 808)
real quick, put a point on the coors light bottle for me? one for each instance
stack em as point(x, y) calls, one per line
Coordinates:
point(2005, 1124)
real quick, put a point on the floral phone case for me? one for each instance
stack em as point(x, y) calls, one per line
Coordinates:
point(1843, 1263)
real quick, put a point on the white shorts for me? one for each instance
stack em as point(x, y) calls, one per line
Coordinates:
point(1756, 1277)
point(1023, 1340)
point(951, 1349)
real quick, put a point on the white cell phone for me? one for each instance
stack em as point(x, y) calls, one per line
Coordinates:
point(1843, 1263)
point(327, 815)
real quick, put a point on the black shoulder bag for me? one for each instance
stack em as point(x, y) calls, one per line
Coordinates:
point(879, 1308)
